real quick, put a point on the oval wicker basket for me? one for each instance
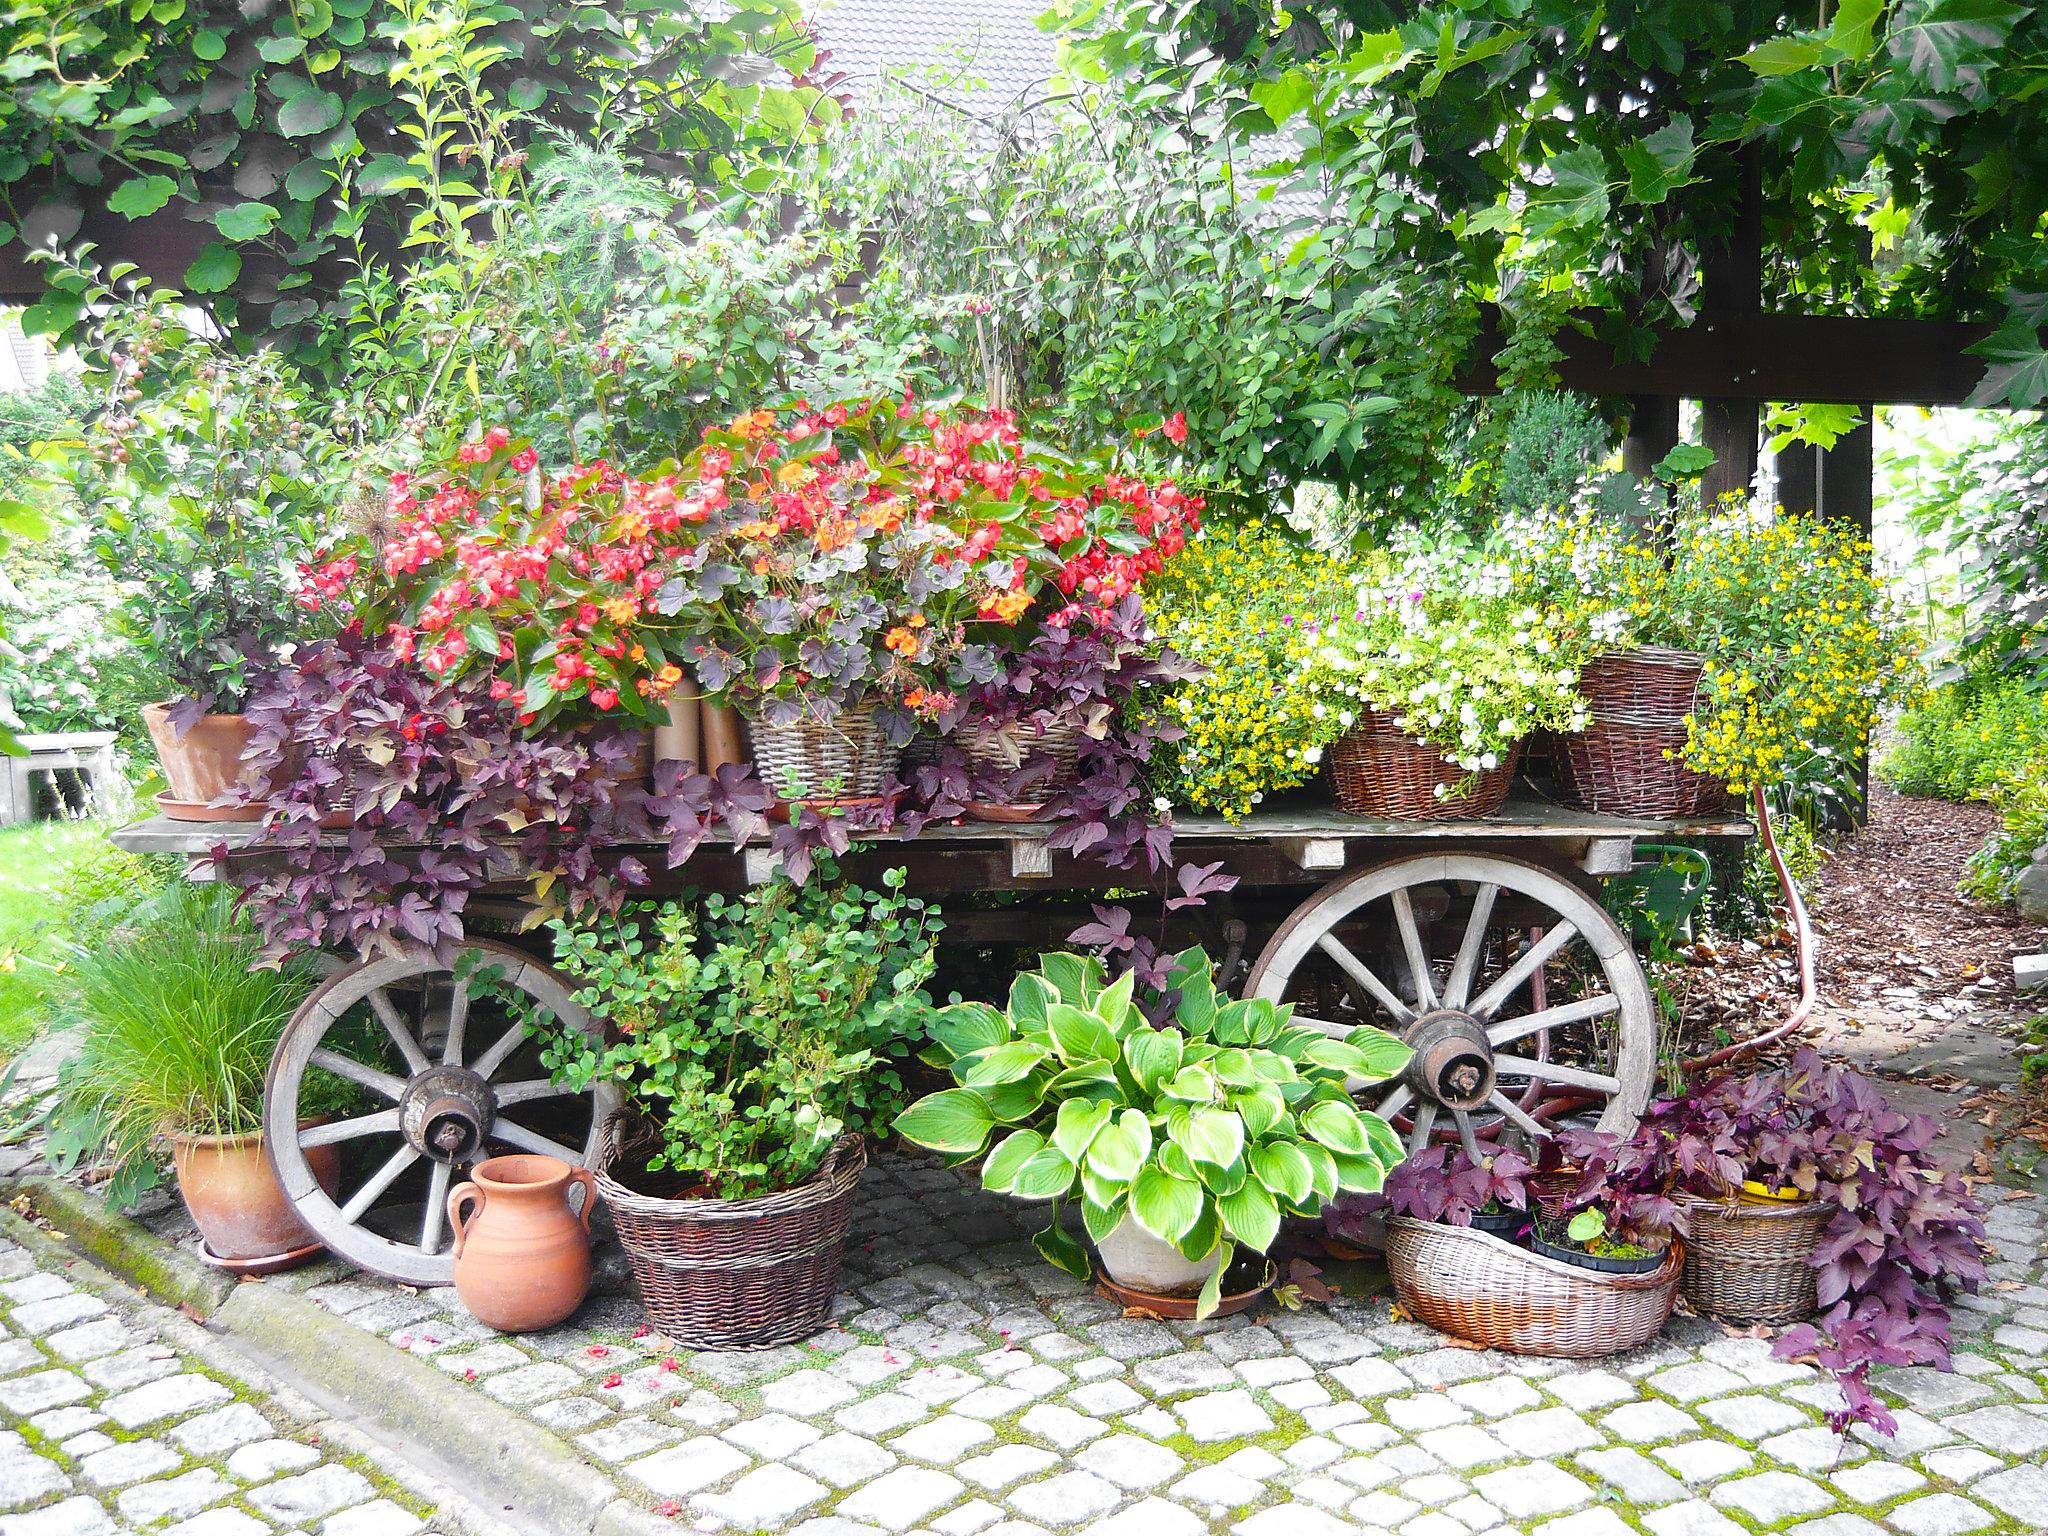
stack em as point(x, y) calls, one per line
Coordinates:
point(1480, 1288)
point(1629, 760)
point(732, 1274)
point(1754, 1263)
point(846, 757)
point(1378, 769)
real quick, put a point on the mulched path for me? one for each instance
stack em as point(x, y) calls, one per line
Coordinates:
point(1891, 917)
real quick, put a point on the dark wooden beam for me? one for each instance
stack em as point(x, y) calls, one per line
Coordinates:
point(1728, 428)
point(1798, 477)
point(1825, 359)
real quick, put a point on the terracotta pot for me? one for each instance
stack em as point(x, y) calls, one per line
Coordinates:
point(203, 764)
point(522, 1256)
point(234, 1198)
point(681, 740)
point(723, 737)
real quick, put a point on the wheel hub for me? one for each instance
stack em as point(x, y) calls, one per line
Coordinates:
point(1453, 1063)
point(446, 1113)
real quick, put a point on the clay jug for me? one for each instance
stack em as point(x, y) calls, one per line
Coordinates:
point(522, 1255)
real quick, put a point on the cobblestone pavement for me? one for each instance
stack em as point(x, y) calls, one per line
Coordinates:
point(106, 1427)
point(966, 1387)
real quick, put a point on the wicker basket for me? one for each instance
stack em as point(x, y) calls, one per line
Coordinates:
point(732, 1274)
point(846, 757)
point(1636, 768)
point(1477, 1287)
point(1629, 761)
point(1378, 769)
point(1754, 1263)
point(1003, 749)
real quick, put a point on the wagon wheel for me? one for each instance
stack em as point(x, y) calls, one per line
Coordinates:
point(1494, 1038)
point(439, 1069)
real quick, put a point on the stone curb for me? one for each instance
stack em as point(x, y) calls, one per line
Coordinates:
point(512, 1471)
point(154, 1267)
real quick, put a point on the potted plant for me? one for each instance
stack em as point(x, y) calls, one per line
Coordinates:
point(756, 1042)
point(175, 1025)
point(1587, 1238)
point(1428, 688)
point(1471, 1277)
point(1181, 1141)
point(1729, 647)
point(210, 476)
point(1063, 691)
point(1879, 1238)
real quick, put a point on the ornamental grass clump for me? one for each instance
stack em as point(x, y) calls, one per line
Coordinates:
point(751, 1033)
point(1205, 1130)
point(1244, 602)
point(175, 1022)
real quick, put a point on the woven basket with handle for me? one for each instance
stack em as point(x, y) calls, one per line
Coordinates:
point(730, 1274)
point(1477, 1287)
point(1629, 761)
point(846, 757)
point(1378, 769)
point(1754, 1263)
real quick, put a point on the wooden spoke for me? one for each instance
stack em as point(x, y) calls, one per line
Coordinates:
point(1467, 1137)
point(434, 1221)
point(378, 1182)
point(528, 1089)
point(1533, 959)
point(500, 1051)
point(1550, 1018)
point(348, 1130)
point(346, 1066)
point(1411, 945)
point(1425, 1127)
point(1353, 967)
point(1556, 1072)
point(1471, 947)
point(458, 1023)
point(1516, 1115)
point(394, 1026)
point(1394, 1102)
point(532, 1141)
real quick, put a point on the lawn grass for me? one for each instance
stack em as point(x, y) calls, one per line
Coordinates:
point(36, 860)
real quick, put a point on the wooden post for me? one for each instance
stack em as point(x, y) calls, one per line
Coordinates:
point(1846, 475)
point(1847, 494)
point(1798, 477)
point(1729, 430)
point(1652, 433)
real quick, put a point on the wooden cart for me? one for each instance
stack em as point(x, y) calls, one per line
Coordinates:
point(1484, 943)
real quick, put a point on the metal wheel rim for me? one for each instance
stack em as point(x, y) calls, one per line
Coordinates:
point(1312, 927)
point(428, 1261)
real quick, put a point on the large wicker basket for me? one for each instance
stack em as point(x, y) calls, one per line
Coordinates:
point(731, 1274)
point(1378, 769)
point(844, 758)
point(1477, 1287)
point(1754, 1263)
point(1629, 761)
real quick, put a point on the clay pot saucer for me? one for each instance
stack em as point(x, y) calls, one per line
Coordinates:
point(1005, 812)
point(269, 1264)
point(1178, 1308)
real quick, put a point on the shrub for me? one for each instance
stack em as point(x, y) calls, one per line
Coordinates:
point(68, 665)
point(2021, 795)
point(752, 1033)
point(1967, 737)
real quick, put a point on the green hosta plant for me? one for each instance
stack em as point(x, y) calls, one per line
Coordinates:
point(1205, 1132)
